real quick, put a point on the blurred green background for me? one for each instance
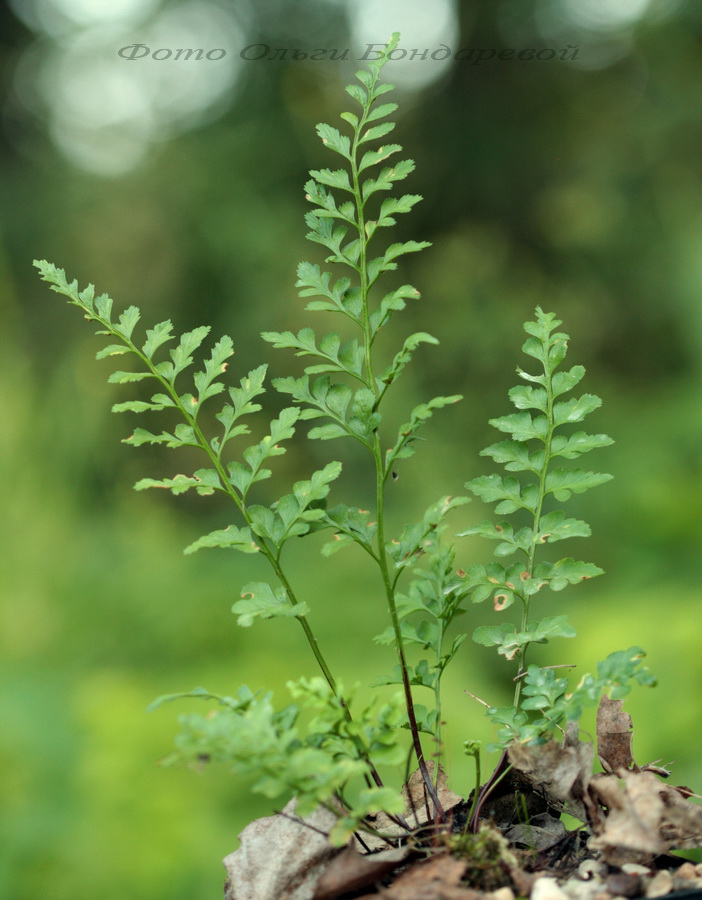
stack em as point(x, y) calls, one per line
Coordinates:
point(177, 186)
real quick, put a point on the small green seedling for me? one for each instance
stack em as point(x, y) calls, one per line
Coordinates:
point(331, 756)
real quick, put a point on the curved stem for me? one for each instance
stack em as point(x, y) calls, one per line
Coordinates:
point(501, 770)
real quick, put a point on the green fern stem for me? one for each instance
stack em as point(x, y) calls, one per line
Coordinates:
point(437, 693)
point(380, 472)
point(537, 516)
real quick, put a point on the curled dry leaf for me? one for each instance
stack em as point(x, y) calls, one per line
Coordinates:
point(563, 771)
point(630, 832)
point(645, 817)
point(280, 858)
point(682, 819)
point(614, 736)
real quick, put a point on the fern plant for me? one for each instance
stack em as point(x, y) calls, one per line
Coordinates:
point(345, 387)
point(322, 747)
point(538, 443)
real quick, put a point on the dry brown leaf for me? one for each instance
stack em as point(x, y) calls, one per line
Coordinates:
point(437, 879)
point(415, 814)
point(614, 736)
point(682, 819)
point(351, 870)
point(562, 770)
point(414, 794)
point(644, 817)
point(630, 832)
point(279, 858)
point(539, 833)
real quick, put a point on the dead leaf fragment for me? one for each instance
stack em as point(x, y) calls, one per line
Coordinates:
point(279, 858)
point(437, 879)
point(415, 796)
point(645, 817)
point(630, 832)
point(351, 870)
point(614, 736)
point(562, 770)
point(540, 833)
point(681, 826)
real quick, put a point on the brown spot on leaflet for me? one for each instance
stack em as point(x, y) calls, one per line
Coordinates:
point(499, 601)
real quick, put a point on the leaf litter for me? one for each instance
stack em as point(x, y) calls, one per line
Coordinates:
point(631, 821)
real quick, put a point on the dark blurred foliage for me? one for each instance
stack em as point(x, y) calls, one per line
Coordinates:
point(576, 187)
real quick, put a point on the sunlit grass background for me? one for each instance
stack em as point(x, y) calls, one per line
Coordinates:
point(574, 184)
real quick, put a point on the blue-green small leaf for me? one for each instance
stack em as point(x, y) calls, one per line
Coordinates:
point(338, 178)
point(578, 443)
point(562, 482)
point(575, 410)
point(373, 157)
point(127, 377)
point(113, 350)
point(377, 131)
point(566, 381)
point(525, 397)
point(334, 140)
point(177, 485)
point(157, 336)
point(564, 572)
point(127, 321)
point(230, 537)
point(260, 601)
point(522, 426)
point(379, 112)
point(555, 527)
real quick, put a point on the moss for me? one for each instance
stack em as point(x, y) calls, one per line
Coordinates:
point(487, 855)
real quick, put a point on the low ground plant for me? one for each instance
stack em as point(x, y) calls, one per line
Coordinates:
point(323, 746)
